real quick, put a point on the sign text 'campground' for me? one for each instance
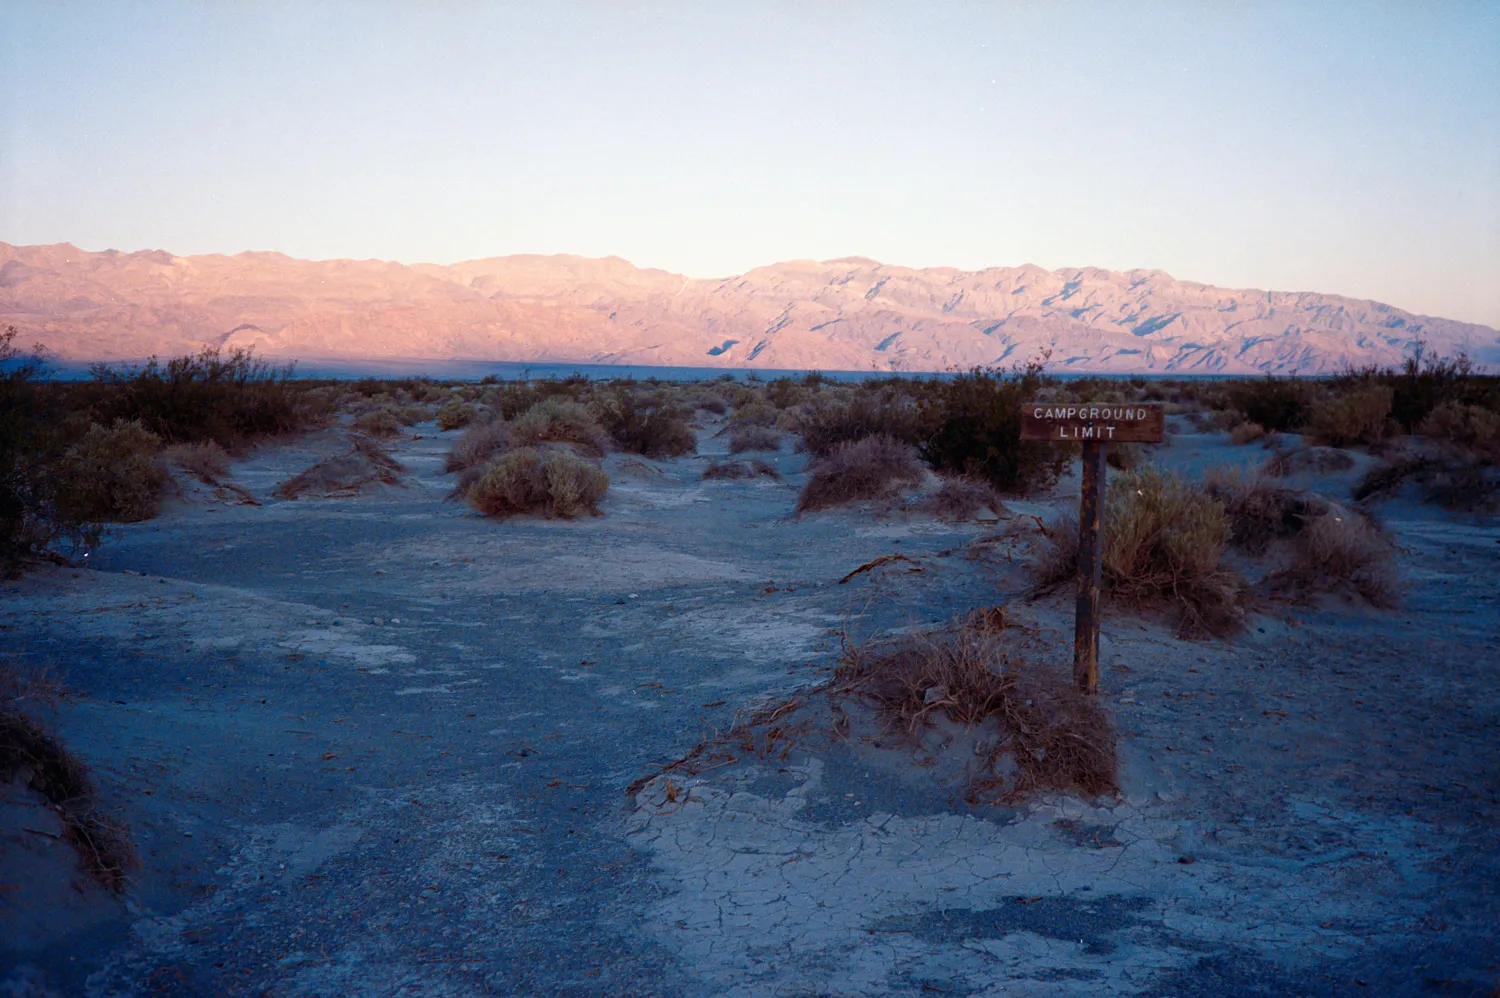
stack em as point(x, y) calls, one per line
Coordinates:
point(1134, 422)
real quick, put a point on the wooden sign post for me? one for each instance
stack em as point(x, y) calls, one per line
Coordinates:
point(1095, 425)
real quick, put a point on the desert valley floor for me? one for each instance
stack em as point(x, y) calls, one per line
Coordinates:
point(382, 746)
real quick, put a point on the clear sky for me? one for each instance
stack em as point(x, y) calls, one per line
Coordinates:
point(1348, 148)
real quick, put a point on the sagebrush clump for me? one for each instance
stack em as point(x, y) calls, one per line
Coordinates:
point(559, 420)
point(525, 481)
point(114, 473)
point(1359, 415)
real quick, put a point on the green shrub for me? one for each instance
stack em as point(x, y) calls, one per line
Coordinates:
point(455, 413)
point(654, 430)
point(114, 474)
point(511, 399)
point(972, 426)
point(1279, 404)
point(524, 481)
point(558, 420)
point(827, 424)
point(1357, 415)
point(232, 400)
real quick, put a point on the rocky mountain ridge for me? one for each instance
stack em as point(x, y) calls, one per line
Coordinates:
point(846, 314)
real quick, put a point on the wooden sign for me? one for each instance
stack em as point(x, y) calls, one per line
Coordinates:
point(1108, 422)
point(1096, 425)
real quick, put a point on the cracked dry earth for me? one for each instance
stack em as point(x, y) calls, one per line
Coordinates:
point(380, 746)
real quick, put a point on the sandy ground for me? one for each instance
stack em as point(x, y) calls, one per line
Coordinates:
point(381, 746)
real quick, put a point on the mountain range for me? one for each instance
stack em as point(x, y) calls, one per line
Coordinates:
point(846, 314)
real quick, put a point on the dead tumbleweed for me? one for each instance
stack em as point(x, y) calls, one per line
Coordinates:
point(1042, 734)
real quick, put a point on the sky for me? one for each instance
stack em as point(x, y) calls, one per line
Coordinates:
point(1341, 148)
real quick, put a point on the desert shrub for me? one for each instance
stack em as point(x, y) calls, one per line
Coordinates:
point(1357, 415)
point(1259, 512)
point(114, 474)
point(863, 469)
point(959, 498)
point(477, 444)
point(1455, 482)
point(575, 386)
point(826, 425)
point(455, 413)
point(1275, 403)
point(1465, 427)
point(755, 413)
point(206, 461)
point(1059, 738)
point(1424, 383)
point(575, 486)
point(29, 749)
point(511, 399)
point(749, 437)
point(714, 403)
point(231, 400)
point(971, 426)
point(524, 481)
point(1340, 552)
point(1246, 432)
point(383, 421)
point(654, 430)
point(753, 468)
point(365, 465)
point(558, 420)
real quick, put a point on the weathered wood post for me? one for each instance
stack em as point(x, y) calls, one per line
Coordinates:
point(1090, 567)
point(1095, 425)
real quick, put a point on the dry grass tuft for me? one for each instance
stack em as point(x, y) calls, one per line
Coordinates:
point(750, 437)
point(753, 468)
point(28, 750)
point(477, 444)
point(525, 481)
point(558, 420)
point(1341, 552)
point(206, 461)
point(1058, 738)
point(1164, 541)
point(871, 468)
point(346, 475)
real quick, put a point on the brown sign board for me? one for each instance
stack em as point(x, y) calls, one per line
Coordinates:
point(1105, 422)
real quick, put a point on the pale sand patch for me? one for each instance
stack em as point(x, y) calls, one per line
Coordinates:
point(767, 902)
